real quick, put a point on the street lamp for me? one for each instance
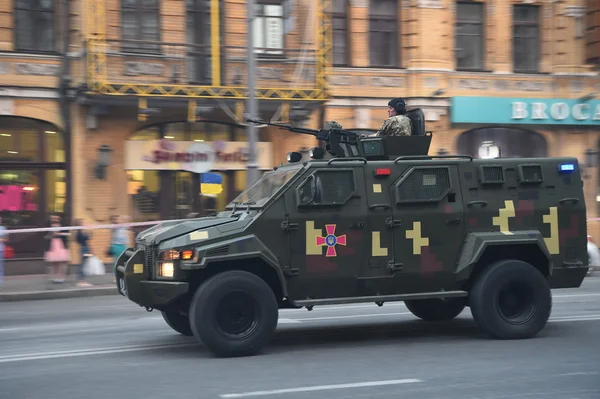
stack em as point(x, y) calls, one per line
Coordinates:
point(104, 152)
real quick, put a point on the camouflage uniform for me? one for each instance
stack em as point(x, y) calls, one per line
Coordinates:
point(398, 125)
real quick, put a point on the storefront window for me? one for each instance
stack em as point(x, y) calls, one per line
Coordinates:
point(504, 142)
point(32, 180)
point(175, 131)
point(56, 191)
point(168, 190)
point(143, 188)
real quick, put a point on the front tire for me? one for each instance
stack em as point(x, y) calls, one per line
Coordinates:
point(234, 313)
point(178, 322)
point(436, 309)
point(511, 299)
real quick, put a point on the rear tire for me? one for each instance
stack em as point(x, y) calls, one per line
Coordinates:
point(436, 309)
point(178, 322)
point(511, 299)
point(234, 313)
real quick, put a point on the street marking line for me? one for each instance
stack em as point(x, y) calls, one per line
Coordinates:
point(86, 352)
point(322, 388)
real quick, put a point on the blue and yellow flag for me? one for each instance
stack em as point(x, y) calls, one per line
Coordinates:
point(211, 183)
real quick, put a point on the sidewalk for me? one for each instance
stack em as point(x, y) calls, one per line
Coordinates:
point(38, 286)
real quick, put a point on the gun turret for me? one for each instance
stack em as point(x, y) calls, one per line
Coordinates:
point(338, 142)
point(341, 143)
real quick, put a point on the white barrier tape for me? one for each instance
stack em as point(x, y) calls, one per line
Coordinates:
point(114, 226)
point(93, 227)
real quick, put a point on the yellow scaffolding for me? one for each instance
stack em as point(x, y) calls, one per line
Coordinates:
point(99, 84)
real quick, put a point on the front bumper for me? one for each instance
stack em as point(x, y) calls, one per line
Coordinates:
point(134, 282)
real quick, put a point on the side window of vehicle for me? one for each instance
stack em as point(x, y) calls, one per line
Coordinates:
point(327, 187)
point(423, 184)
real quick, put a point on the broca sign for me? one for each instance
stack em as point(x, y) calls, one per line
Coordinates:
point(558, 111)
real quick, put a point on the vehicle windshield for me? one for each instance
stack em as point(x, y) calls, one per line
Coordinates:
point(265, 187)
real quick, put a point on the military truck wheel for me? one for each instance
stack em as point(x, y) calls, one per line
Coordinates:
point(436, 309)
point(178, 322)
point(234, 313)
point(511, 299)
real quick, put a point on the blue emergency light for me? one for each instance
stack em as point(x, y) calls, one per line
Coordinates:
point(566, 167)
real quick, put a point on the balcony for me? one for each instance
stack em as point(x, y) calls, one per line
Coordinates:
point(144, 68)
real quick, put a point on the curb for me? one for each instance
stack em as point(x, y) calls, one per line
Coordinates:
point(58, 294)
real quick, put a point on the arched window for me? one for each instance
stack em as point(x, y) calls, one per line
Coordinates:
point(502, 141)
point(33, 182)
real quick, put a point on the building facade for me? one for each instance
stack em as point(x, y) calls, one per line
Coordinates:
point(494, 78)
point(135, 108)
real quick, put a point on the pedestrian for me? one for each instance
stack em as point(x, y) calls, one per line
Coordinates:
point(83, 238)
point(57, 251)
point(120, 238)
point(3, 241)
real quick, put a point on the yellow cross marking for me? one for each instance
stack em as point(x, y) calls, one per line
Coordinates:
point(503, 214)
point(418, 240)
point(552, 242)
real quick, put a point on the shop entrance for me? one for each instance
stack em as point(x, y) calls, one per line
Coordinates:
point(491, 142)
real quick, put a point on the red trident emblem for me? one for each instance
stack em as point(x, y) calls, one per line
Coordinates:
point(331, 240)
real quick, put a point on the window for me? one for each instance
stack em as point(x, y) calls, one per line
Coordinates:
point(32, 179)
point(384, 35)
point(198, 40)
point(469, 36)
point(426, 184)
point(140, 20)
point(327, 187)
point(340, 33)
point(35, 26)
point(268, 35)
point(526, 38)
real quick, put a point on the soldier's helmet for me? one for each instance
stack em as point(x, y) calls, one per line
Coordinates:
point(399, 105)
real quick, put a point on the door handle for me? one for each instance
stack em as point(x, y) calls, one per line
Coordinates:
point(565, 200)
point(473, 203)
point(452, 221)
point(393, 222)
point(358, 225)
point(375, 206)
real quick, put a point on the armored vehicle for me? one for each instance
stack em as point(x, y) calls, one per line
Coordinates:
point(369, 219)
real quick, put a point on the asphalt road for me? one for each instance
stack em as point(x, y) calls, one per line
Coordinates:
point(106, 347)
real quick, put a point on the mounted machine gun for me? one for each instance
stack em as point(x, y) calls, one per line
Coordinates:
point(341, 143)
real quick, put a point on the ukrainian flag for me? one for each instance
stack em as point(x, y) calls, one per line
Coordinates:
point(211, 183)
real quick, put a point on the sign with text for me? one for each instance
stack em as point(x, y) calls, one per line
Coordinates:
point(531, 111)
point(191, 156)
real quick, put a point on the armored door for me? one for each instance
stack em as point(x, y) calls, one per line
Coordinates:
point(428, 206)
point(327, 218)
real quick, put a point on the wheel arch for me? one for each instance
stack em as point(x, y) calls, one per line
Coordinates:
point(251, 263)
point(484, 249)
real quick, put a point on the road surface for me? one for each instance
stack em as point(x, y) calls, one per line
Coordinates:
point(107, 347)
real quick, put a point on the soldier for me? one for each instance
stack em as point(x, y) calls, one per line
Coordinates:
point(398, 123)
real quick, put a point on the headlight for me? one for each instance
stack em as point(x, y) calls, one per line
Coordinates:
point(173, 254)
point(166, 269)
